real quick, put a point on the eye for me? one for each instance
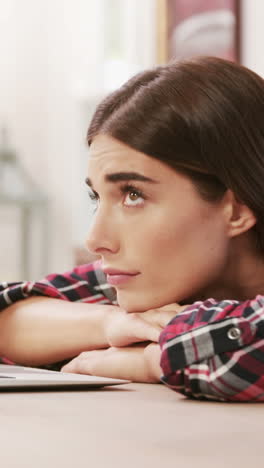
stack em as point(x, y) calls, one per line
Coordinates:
point(94, 198)
point(133, 196)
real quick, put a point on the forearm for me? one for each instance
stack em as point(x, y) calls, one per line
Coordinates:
point(215, 350)
point(39, 331)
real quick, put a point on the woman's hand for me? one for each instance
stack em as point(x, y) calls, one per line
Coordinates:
point(123, 329)
point(127, 358)
point(136, 363)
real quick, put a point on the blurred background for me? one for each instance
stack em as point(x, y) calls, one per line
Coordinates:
point(58, 59)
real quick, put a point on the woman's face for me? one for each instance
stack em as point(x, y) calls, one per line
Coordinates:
point(159, 241)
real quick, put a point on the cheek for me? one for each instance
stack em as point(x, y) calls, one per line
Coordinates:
point(149, 240)
point(179, 257)
point(162, 235)
point(195, 254)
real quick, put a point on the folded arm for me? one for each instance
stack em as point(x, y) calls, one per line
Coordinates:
point(215, 350)
point(39, 324)
point(64, 315)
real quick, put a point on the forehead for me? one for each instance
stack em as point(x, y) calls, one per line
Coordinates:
point(108, 155)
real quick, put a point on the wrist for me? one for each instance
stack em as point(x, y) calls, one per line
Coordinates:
point(152, 355)
point(112, 326)
point(96, 322)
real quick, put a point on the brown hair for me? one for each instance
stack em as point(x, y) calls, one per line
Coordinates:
point(203, 117)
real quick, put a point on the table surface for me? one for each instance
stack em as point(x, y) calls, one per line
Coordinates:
point(133, 425)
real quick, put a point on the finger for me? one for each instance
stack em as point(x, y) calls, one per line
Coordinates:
point(160, 318)
point(168, 307)
point(163, 315)
point(144, 331)
point(70, 367)
point(99, 362)
point(76, 365)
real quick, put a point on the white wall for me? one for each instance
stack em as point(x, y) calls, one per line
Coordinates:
point(53, 69)
point(253, 34)
point(52, 55)
point(48, 54)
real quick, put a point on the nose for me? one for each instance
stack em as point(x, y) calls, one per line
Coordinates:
point(102, 236)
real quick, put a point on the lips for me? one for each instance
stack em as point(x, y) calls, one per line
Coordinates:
point(118, 277)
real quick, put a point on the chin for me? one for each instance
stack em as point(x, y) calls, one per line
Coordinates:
point(130, 307)
point(133, 303)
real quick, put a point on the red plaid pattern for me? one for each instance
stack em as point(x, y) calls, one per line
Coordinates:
point(85, 283)
point(212, 350)
point(215, 350)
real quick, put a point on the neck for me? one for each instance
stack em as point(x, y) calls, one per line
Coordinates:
point(242, 276)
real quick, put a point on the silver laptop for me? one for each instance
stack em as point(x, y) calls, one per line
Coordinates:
point(22, 378)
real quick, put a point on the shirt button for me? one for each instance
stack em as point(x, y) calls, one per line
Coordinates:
point(234, 333)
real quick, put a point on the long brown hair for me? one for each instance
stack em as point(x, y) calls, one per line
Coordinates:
point(203, 117)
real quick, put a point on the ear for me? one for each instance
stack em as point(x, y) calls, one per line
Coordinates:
point(239, 216)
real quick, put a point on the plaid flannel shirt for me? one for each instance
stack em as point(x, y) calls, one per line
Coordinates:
point(212, 350)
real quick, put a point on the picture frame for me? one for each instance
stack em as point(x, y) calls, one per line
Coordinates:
point(188, 28)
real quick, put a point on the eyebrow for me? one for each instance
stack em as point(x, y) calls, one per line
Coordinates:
point(123, 177)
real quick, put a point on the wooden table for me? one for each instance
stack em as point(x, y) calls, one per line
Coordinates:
point(135, 425)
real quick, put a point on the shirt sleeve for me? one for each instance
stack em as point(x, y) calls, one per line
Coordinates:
point(215, 350)
point(85, 283)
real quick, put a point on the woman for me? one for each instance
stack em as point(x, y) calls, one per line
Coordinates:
point(176, 174)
